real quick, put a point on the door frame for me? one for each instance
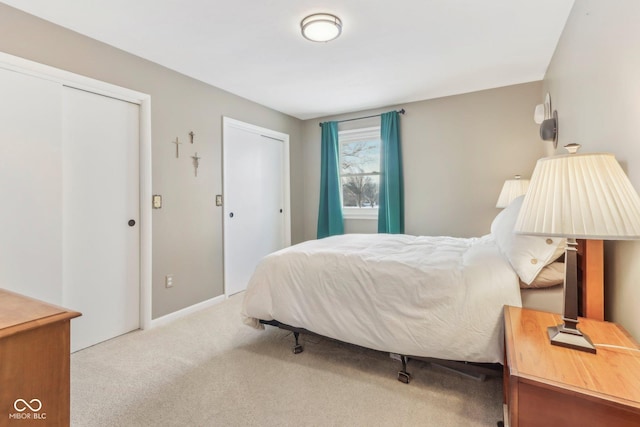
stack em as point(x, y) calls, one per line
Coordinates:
point(67, 78)
point(229, 122)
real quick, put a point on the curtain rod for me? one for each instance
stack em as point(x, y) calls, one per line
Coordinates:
point(365, 117)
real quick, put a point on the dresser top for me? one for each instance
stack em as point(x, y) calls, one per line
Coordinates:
point(613, 373)
point(18, 312)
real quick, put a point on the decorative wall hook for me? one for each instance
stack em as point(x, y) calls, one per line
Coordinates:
point(191, 135)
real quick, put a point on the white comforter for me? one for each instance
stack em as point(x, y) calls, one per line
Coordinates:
point(439, 297)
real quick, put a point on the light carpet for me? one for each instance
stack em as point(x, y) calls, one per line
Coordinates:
point(209, 369)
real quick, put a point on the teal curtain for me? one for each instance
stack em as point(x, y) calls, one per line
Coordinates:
point(391, 197)
point(330, 210)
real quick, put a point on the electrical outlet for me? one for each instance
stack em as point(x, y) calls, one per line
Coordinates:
point(168, 281)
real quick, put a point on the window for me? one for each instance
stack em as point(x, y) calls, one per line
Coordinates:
point(360, 172)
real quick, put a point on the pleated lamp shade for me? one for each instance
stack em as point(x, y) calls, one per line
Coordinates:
point(581, 196)
point(511, 189)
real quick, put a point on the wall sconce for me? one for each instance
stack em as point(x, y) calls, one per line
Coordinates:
point(549, 129)
point(547, 120)
point(538, 114)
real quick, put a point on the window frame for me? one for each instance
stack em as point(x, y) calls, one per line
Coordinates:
point(350, 136)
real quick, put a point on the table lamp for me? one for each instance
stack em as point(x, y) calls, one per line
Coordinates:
point(511, 189)
point(578, 196)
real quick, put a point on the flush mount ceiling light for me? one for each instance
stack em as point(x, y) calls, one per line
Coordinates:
point(321, 27)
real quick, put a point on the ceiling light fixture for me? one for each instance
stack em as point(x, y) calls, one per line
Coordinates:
point(321, 27)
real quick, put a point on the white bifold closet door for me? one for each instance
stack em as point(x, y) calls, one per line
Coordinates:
point(100, 193)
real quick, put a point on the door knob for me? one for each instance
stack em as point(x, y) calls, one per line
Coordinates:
point(132, 222)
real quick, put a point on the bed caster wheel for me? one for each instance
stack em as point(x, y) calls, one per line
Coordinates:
point(404, 377)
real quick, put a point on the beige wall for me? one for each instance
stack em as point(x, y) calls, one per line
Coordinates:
point(594, 82)
point(187, 231)
point(457, 151)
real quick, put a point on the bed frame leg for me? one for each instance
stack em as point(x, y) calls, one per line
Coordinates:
point(297, 348)
point(404, 376)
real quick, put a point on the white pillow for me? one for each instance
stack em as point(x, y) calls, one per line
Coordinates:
point(526, 254)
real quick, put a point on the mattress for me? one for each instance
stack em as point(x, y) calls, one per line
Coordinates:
point(439, 297)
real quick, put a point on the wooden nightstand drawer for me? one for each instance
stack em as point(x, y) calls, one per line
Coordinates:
point(547, 385)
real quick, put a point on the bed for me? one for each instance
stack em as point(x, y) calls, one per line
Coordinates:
point(425, 297)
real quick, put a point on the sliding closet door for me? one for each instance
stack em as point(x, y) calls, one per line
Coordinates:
point(101, 239)
point(30, 180)
point(255, 199)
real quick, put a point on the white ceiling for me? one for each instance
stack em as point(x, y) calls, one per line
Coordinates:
point(390, 52)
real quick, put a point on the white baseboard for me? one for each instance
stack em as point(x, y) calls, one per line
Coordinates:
point(185, 311)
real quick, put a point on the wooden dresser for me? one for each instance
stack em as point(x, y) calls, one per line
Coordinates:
point(546, 385)
point(34, 362)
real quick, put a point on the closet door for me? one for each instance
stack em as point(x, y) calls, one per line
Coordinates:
point(255, 203)
point(100, 193)
point(30, 182)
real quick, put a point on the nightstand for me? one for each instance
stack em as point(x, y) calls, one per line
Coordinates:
point(546, 385)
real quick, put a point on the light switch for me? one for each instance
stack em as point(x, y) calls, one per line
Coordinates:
point(157, 201)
